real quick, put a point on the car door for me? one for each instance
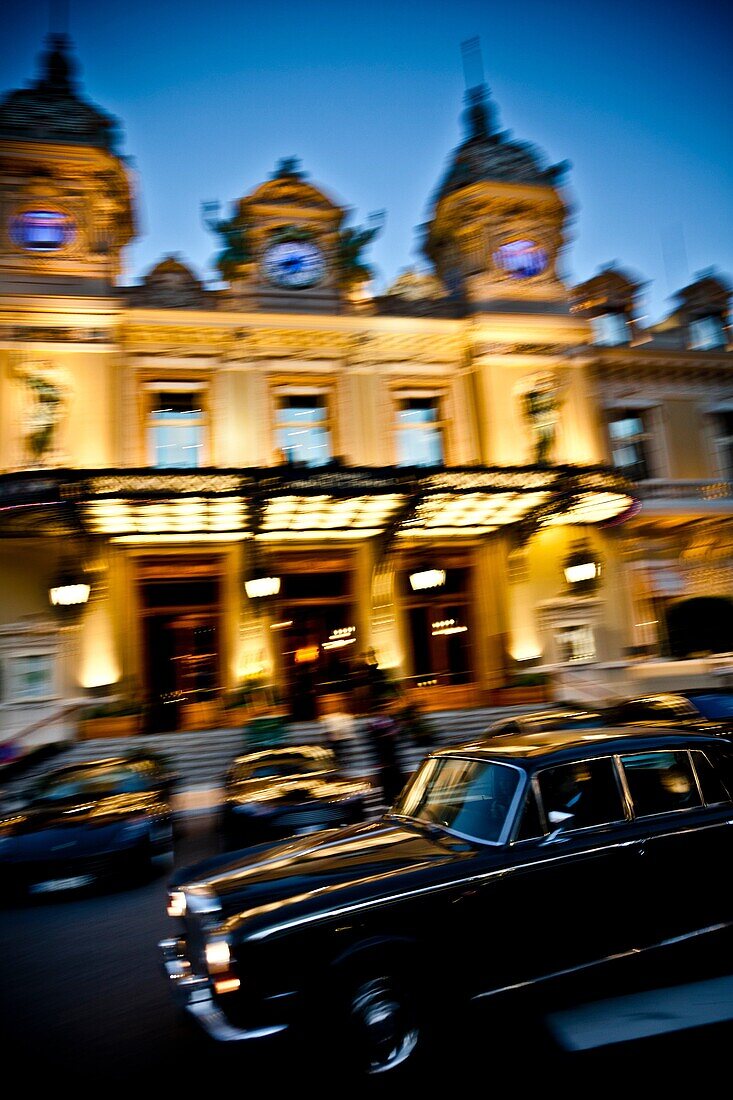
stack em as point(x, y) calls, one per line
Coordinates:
point(683, 842)
point(565, 887)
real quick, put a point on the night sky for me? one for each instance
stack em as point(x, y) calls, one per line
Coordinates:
point(637, 96)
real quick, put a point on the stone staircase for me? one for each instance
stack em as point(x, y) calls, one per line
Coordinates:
point(201, 758)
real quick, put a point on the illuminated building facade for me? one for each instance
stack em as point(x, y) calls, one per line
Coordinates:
point(258, 482)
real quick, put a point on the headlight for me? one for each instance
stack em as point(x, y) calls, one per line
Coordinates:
point(218, 960)
point(176, 903)
point(217, 956)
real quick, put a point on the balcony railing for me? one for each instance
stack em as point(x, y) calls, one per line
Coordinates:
point(710, 494)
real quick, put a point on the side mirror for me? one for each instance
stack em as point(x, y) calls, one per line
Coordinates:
point(560, 821)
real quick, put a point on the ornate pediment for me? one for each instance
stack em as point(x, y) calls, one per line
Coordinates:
point(171, 284)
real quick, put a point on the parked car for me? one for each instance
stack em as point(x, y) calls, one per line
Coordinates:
point(279, 792)
point(705, 711)
point(89, 820)
point(503, 864)
point(540, 721)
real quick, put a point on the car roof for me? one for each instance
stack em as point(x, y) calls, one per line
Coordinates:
point(537, 717)
point(565, 744)
point(133, 757)
point(316, 752)
point(669, 697)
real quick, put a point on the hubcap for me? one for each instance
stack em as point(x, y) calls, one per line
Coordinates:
point(386, 1032)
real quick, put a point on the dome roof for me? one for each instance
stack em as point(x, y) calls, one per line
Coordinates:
point(487, 154)
point(51, 109)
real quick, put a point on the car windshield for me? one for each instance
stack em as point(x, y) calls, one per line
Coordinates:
point(470, 797)
point(95, 782)
point(283, 766)
point(714, 706)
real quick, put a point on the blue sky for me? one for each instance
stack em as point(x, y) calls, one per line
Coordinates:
point(638, 98)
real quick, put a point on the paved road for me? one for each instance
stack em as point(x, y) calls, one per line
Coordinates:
point(82, 998)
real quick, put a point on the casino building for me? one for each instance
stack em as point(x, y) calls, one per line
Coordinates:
point(485, 476)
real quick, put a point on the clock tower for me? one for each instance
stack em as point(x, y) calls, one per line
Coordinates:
point(498, 222)
point(65, 190)
point(281, 247)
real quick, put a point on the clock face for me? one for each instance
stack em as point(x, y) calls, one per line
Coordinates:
point(521, 259)
point(42, 230)
point(294, 264)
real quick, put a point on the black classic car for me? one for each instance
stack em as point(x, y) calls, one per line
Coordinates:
point(86, 821)
point(504, 863)
point(701, 711)
point(279, 792)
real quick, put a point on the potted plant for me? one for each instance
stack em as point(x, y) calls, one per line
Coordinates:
point(525, 687)
point(113, 718)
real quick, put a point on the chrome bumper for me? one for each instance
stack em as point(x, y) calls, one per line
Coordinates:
point(193, 993)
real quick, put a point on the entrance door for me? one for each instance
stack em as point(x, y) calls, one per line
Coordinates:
point(182, 652)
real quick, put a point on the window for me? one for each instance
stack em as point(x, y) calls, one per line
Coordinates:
point(176, 428)
point(530, 825)
point(610, 329)
point(711, 784)
point(30, 677)
point(660, 782)
point(302, 428)
point(576, 643)
point(629, 434)
point(582, 794)
point(706, 333)
point(722, 423)
point(419, 431)
point(472, 797)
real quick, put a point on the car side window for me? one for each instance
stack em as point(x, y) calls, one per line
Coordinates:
point(582, 794)
point(530, 824)
point(634, 712)
point(660, 782)
point(713, 789)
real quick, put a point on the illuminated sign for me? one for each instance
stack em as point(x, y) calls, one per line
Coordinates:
point(306, 654)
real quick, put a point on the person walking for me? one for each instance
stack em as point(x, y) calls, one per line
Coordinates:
point(383, 734)
point(340, 729)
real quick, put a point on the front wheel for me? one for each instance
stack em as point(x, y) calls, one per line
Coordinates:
point(383, 1024)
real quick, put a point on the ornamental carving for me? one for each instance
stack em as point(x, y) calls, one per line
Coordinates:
point(398, 348)
point(182, 340)
point(274, 343)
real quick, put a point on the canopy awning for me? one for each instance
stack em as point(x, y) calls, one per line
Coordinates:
point(287, 502)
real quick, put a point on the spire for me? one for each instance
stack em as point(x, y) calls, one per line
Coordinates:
point(57, 66)
point(479, 116)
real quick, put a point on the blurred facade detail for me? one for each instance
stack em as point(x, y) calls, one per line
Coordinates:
point(476, 422)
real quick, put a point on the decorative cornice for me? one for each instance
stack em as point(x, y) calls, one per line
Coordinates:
point(181, 339)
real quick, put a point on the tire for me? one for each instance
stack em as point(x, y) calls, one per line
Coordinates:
point(382, 1025)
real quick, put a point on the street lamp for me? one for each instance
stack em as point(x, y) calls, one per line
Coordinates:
point(426, 577)
point(582, 569)
point(260, 586)
point(68, 593)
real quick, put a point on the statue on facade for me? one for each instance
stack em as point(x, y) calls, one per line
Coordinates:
point(47, 395)
point(233, 232)
point(352, 241)
point(541, 405)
